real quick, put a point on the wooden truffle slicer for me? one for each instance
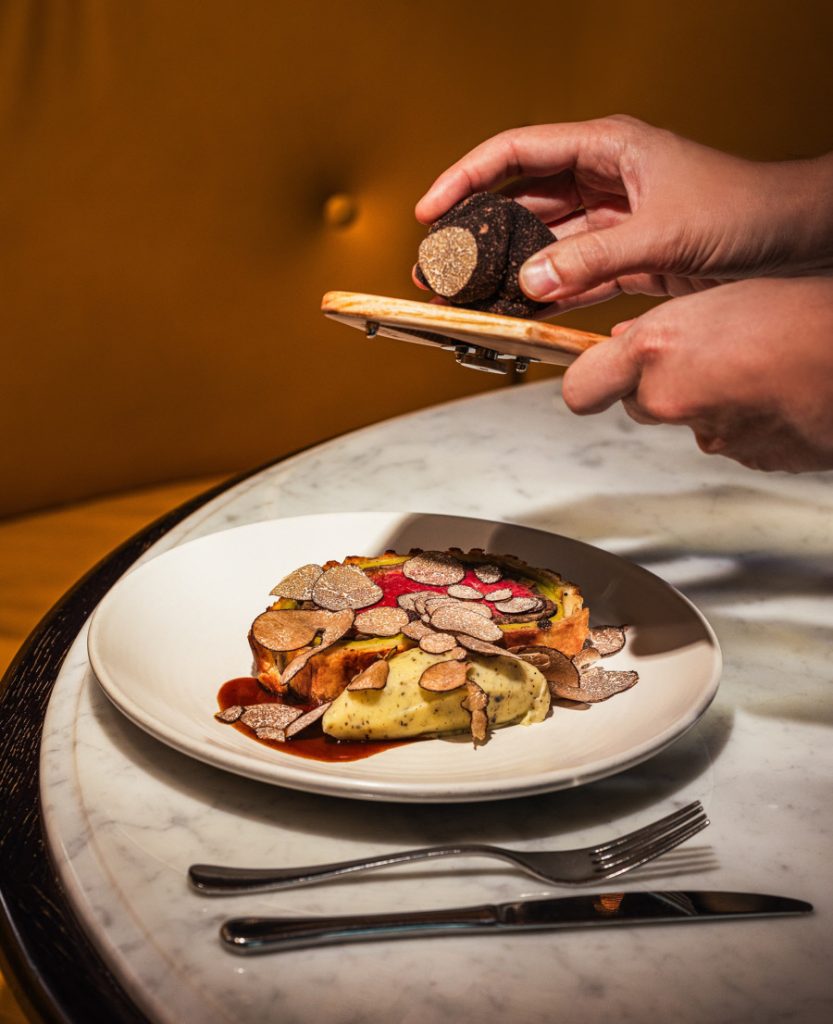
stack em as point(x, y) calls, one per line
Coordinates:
point(481, 341)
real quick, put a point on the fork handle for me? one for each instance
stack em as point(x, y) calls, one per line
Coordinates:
point(216, 880)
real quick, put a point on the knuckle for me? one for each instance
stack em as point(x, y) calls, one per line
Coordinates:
point(626, 120)
point(658, 398)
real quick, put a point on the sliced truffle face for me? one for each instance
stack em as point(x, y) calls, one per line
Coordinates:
point(598, 684)
point(561, 674)
point(473, 254)
point(463, 620)
point(345, 586)
point(585, 658)
point(464, 593)
point(416, 630)
point(476, 703)
point(338, 623)
point(607, 640)
point(437, 643)
point(230, 714)
point(517, 605)
point(287, 629)
point(482, 647)
point(434, 569)
point(488, 573)
point(297, 586)
point(373, 677)
point(444, 676)
point(382, 621)
point(448, 258)
point(306, 720)
point(465, 254)
point(269, 716)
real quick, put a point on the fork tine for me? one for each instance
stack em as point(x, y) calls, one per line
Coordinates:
point(642, 842)
point(663, 824)
point(636, 849)
point(648, 853)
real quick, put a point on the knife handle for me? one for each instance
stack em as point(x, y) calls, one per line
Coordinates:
point(275, 934)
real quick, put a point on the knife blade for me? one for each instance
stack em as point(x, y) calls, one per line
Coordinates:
point(277, 934)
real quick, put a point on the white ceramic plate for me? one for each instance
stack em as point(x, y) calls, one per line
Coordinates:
point(172, 631)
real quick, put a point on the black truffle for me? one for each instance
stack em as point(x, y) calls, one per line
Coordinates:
point(472, 254)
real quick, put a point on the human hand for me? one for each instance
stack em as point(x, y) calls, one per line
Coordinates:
point(748, 366)
point(640, 210)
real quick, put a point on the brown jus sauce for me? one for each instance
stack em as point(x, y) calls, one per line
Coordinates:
point(312, 743)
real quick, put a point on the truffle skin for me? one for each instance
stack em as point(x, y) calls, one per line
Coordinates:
point(506, 234)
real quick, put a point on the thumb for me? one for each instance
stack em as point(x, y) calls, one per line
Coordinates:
point(583, 261)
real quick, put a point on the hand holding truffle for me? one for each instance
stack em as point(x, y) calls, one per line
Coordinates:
point(747, 365)
point(639, 210)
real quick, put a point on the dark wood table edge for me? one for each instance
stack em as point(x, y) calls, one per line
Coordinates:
point(52, 966)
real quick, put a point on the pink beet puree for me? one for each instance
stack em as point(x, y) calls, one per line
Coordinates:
point(395, 583)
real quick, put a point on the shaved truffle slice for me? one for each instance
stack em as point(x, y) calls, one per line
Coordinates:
point(271, 733)
point(416, 630)
point(560, 673)
point(297, 586)
point(373, 677)
point(440, 601)
point(338, 624)
point(230, 714)
point(288, 629)
point(434, 568)
point(306, 720)
point(269, 716)
point(345, 586)
point(585, 658)
point(489, 573)
point(476, 703)
point(473, 253)
point(409, 601)
point(607, 639)
point(535, 658)
point(444, 676)
point(597, 684)
point(464, 620)
point(501, 594)
point(517, 605)
point(438, 643)
point(381, 621)
point(482, 647)
point(464, 593)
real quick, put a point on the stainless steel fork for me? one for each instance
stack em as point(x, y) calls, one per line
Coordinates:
point(572, 867)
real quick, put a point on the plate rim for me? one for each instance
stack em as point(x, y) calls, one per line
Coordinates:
point(294, 773)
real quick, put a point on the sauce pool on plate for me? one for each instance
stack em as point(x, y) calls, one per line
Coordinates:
point(315, 746)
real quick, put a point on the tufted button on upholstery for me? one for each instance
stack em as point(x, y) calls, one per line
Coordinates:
point(340, 210)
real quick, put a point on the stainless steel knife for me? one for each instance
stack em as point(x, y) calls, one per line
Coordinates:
point(276, 934)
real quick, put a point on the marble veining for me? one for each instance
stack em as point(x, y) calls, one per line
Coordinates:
point(125, 815)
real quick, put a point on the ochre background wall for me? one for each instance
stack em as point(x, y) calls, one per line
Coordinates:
point(164, 169)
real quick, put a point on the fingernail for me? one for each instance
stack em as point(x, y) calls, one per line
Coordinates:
point(538, 277)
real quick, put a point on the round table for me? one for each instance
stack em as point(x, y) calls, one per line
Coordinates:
point(100, 820)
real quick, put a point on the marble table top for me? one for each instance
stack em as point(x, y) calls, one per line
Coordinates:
point(125, 815)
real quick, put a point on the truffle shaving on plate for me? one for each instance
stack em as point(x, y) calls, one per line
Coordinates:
point(429, 643)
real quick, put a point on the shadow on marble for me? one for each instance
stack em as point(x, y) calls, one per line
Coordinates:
point(717, 519)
